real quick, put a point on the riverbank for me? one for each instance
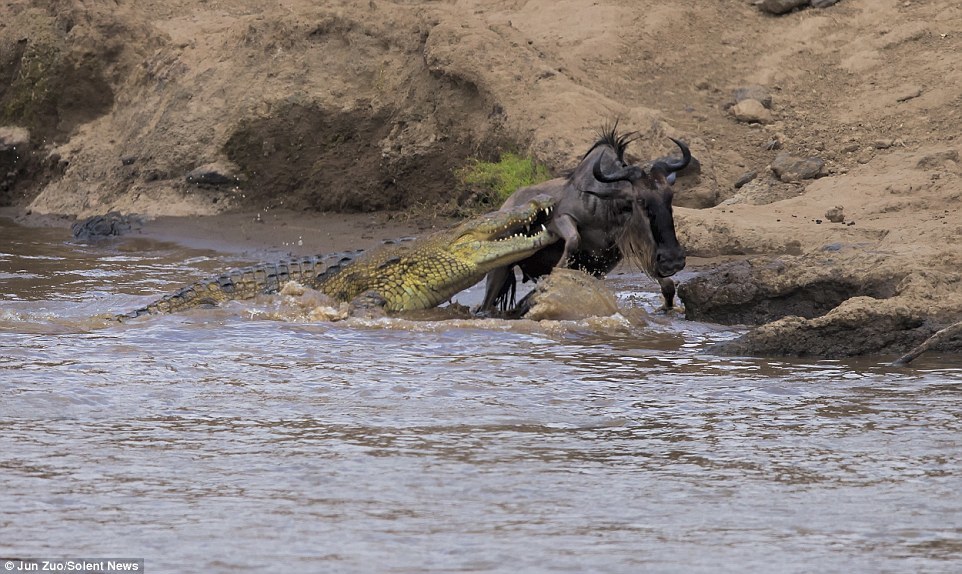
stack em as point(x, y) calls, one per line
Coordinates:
point(826, 138)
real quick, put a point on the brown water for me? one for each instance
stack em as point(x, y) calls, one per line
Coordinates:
point(224, 441)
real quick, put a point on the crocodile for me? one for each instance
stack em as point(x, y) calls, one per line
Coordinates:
point(400, 276)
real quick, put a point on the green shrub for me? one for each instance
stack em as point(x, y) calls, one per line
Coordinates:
point(493, 182)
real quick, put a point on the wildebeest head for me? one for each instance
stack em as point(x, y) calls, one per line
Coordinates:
point(649, 236)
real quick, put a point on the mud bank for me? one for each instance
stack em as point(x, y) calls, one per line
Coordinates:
point(826, 138)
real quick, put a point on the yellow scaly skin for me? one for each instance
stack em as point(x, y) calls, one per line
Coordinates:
point(408, 276)
point(427, 272)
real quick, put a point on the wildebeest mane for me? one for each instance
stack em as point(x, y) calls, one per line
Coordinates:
point(609, 137)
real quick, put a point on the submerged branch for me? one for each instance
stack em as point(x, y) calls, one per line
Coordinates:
point(935, 339)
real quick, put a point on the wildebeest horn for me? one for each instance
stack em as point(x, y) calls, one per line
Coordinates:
point(628, 173)
point(672, 166)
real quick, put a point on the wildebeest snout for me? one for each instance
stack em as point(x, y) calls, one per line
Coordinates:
point(669, 261)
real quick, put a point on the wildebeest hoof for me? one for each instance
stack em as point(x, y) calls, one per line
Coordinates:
point(674, 310)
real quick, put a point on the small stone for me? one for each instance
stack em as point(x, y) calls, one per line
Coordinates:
point(823, 3)
point(753, 92)
point(772, 145)
point(781, 6)
point(937, 159)
point(790, 168)
point(909, 94)
point(752, 111)
point(128, 160)
point(835, 214)
point(762, 191)
point(745, 178)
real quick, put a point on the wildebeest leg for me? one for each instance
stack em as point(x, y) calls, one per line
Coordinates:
point(566, 227)
point(668, 292)
point(499, 289)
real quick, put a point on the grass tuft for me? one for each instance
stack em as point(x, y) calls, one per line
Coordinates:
point(492, 182)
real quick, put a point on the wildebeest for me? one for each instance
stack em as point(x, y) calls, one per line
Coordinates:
point(607, 210)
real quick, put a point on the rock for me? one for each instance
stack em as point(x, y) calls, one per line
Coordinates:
point(823, 3)
point(856, 327)
point(213, 174)
point(909, 93)
point(835, 214)
point(569, 295)
point(753, 92)
point(12, 137)
point(752, 111)
point(767, 289)
point(722, 295)
point(112, 224)
point(791, 168)
point(745, 178)
point(781, 6)
point(833, 302)
point(763, 192)
point(936, 160)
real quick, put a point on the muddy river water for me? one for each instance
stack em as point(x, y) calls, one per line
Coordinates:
point(237, 440)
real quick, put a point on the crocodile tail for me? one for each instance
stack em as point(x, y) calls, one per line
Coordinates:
point(245, 283)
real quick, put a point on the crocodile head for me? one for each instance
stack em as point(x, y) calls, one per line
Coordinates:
point(426, 272)
point(503, 237)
